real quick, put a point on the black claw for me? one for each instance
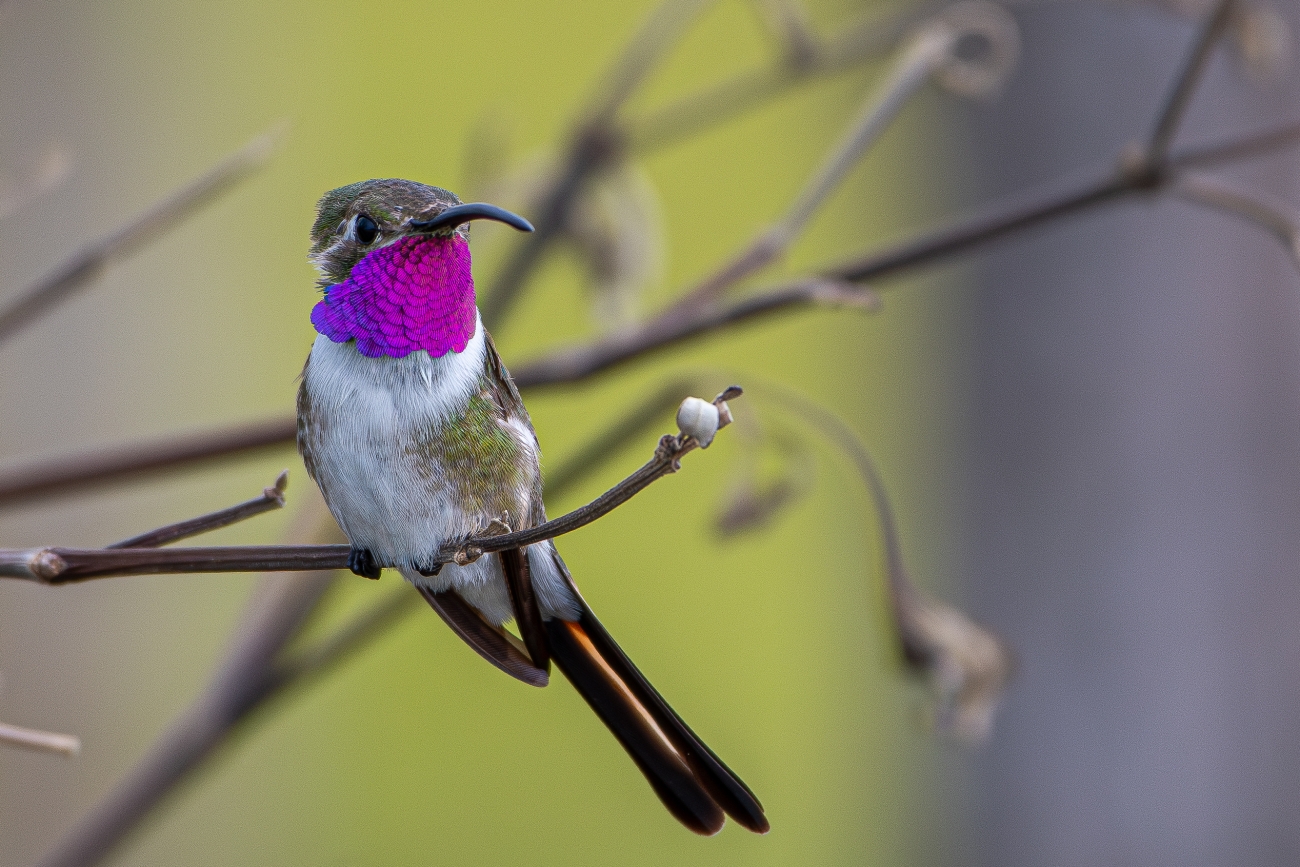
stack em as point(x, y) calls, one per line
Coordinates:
point(429, 571)
point(362, 563)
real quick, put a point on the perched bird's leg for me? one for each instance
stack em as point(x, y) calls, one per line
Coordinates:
point(362, 563)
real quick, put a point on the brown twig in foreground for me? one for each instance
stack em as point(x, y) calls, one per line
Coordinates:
point(620, 433)
point(68, 565)
point(90, 262)
point(254, 672)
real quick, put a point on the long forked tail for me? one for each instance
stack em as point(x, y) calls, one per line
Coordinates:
point(692, 782)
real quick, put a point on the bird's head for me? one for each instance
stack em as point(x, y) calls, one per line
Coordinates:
point(393, 256)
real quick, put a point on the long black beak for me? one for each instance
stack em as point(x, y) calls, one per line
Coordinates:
point(454, 216)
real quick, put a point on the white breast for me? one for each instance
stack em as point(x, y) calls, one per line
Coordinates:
point(366, 412)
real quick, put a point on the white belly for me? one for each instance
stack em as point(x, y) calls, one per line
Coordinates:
point(365, 412)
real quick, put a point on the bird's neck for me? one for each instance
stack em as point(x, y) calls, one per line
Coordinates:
point(414, 294)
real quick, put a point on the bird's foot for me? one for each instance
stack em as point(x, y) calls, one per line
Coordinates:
point(429, 571)
point(362, 563)
point(495, 527)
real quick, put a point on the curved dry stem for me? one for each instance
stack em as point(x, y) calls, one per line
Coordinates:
point(1253, 208)
point(968, 664)
point(922, 55)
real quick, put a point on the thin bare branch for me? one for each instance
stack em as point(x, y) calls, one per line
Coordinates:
point(574, 364)
point(40, 741)
point(272, 498)
point(992, 224)
point(1175, 107)
point(70, 565)
point(59, 566)
point(595, 142)
point(917, 60)
point(58, 476)
point(726, 100)
point(1052, 203)
point(90, 262)
point(1239, 149)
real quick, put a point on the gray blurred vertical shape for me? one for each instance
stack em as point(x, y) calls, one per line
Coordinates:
point(1134, 510)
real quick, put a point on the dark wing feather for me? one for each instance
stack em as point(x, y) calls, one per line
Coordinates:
point(510, 407)
point(524, 601)
point(490, 642)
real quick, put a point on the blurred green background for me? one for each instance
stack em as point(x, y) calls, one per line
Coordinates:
point(773, 645)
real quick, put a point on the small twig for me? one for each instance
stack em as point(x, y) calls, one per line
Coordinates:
point(90, 262)
point(272, 498)
point(41, 741)
point(595, 142)
point(71, 473)
point(68, 565)
point(1239, 149)
point(1180, 95)
point(1216, 194)
point(993, 223)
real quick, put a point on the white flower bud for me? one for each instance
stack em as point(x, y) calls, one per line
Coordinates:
point(699, 419)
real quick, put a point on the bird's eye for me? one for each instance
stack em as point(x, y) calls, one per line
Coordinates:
point(367, 230)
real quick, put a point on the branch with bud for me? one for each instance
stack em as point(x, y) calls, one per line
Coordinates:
point(141, 555)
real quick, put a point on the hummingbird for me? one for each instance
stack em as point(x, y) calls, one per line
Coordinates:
point(413, 429)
